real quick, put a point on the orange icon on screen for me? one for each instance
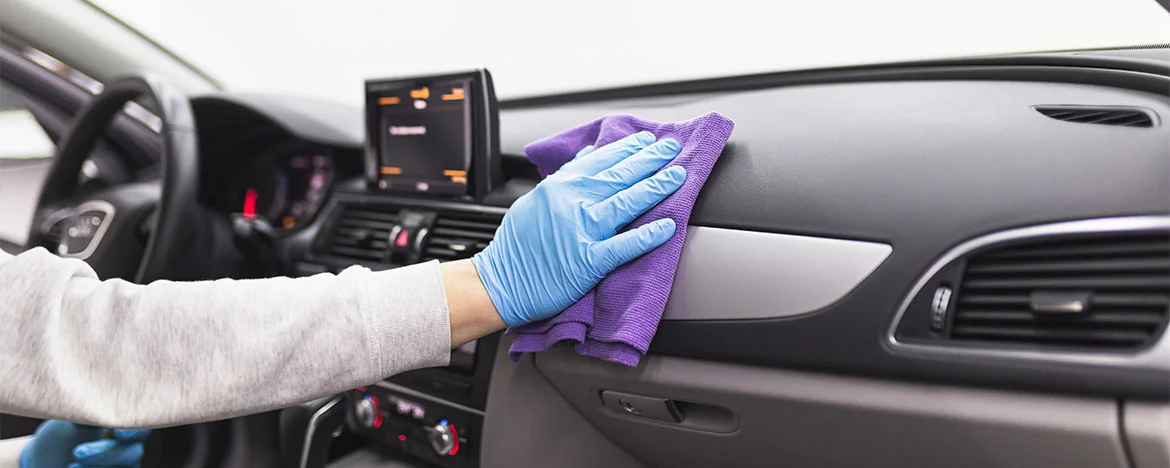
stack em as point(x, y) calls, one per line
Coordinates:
point(389, 101)
point(454, 173)
point(422, 93)
point(390, 170)
point(456, 94)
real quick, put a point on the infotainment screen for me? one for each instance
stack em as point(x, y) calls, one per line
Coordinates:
point(432, 135)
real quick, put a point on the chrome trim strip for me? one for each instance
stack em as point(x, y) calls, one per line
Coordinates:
point(313, 427)
point(1156, 357)
point(767, 274)
point(92, 205)
point(432, 399)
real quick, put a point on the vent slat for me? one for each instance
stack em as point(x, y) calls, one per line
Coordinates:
point(1098, 318)
point(351, 213)
point(350, 242)
point(356, 252)
point(1085, 117)
point(440, 252)
point(475, 225)
point(1052, 335)
point(1122, 300)
point(1098, 299)
point(369, 224)
point(1125, 278)
point(1135, 121)
point(1128, 282)
point(1114, 116)
point(1073, 266)
point(448, 232)
point(1145, 246)
point(361, 233)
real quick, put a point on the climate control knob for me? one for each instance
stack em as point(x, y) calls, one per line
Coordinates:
point(444, 439)
point(368, 412)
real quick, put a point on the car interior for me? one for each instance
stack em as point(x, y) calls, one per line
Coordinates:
point(960, 262)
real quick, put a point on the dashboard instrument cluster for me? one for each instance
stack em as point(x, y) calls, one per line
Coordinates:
point(285, 188)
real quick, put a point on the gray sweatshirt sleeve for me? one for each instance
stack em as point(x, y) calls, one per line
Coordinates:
point(116, 354)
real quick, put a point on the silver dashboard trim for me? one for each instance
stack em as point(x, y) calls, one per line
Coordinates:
point(65, 213)
point(1156, 357)
point(312, 427)
point(424, 396)
point(769, 275)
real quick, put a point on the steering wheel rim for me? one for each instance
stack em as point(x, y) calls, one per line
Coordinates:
point(179, 164)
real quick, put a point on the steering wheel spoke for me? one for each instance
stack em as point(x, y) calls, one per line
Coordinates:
point(77, 231)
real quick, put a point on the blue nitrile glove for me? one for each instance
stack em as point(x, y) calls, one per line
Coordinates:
point(561, 238)
point(60, 444)
point(52, 444)
point(123, 451)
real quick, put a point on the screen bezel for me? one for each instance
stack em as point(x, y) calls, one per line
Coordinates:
point(484, 167)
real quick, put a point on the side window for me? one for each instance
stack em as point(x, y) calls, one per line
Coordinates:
point(26, 152)
point(21, 136)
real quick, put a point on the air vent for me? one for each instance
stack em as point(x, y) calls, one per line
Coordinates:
point(1116, 116)
point(362, 233)
point(459, 235)
point(1104, 292)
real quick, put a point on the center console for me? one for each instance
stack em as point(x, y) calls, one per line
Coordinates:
point(432, 156)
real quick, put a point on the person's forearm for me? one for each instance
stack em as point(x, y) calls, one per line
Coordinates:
point(471, 309)
point(115, 354)
point(10, 451)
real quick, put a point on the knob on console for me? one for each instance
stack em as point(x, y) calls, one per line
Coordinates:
point(368, 412)
point(444, 440)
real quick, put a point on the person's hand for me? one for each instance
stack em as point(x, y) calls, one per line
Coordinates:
point(53, 443)
point(561, 238)
point(123, 451)
point(60, 444)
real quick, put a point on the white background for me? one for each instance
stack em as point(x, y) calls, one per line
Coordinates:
point(327, 48)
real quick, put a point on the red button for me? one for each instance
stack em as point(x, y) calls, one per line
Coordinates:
point(402, 238)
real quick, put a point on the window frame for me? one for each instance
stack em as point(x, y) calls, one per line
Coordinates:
point(54, 100)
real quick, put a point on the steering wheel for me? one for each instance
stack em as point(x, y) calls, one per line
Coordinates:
point(107, 228)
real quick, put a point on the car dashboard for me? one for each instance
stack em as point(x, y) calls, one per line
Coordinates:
point(985, 230)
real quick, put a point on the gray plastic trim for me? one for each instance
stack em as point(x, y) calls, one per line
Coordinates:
point(530, 424)
point(757, 268)
point(1147, 433)
point(1155, 357)
point(811, 419)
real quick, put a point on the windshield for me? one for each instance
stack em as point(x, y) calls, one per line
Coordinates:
point(534, 47)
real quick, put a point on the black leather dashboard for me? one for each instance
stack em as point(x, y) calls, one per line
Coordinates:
point(920, 165)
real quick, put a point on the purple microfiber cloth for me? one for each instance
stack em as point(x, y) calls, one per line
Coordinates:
point(617, 319)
